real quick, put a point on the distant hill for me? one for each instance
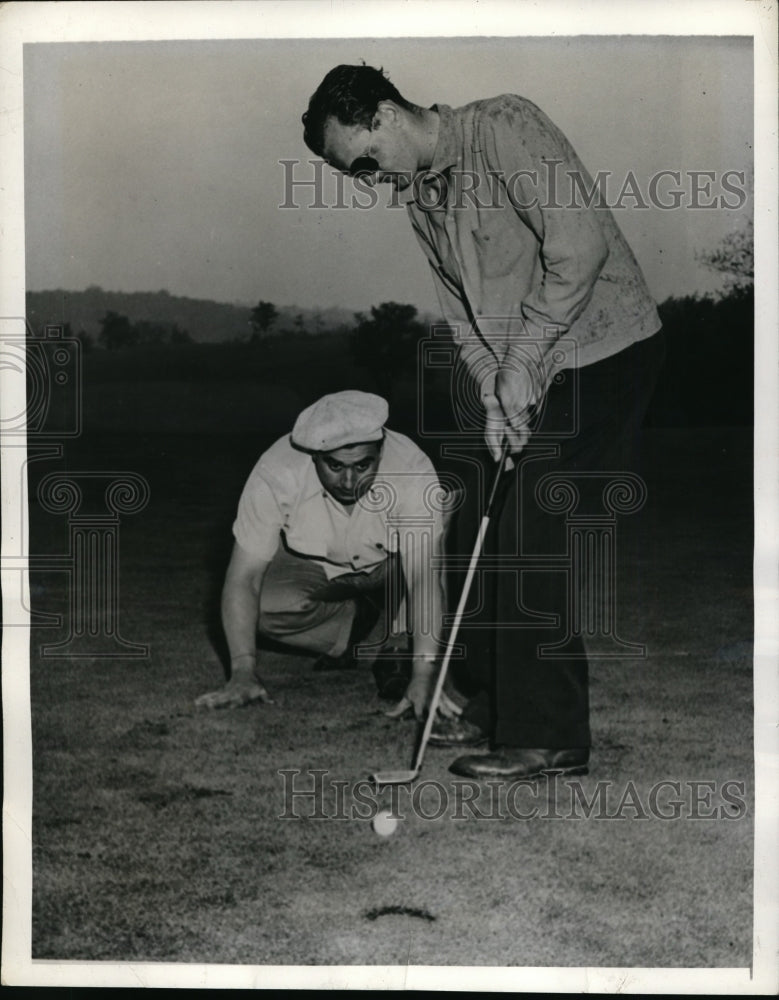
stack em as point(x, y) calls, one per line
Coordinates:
point(204, 320)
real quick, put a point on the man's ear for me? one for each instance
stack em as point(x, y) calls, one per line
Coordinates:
point(387, 113)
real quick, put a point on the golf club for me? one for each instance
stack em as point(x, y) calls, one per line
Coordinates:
point(401, 777)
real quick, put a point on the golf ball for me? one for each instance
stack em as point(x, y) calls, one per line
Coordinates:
point(384, 823)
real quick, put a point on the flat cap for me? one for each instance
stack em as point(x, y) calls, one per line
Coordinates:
point(341, 419)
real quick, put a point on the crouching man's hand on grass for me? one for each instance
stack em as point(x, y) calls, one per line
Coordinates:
point(419, 694)
point(243, 687)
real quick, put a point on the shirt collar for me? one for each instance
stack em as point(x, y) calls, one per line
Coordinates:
point(314, 490)
point(311, 484)
point(445, 155)
point(428, 182)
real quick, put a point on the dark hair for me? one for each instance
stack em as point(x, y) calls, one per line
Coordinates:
point(350, 94)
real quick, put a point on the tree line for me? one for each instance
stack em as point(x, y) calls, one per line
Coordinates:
point(118, 332)
point(707, 378)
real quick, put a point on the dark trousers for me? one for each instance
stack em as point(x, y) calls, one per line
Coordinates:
point(589, 423)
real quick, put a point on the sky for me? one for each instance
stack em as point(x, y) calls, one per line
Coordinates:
point(156, 165)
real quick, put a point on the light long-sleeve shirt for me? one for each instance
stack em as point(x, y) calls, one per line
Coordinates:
point(527, 261)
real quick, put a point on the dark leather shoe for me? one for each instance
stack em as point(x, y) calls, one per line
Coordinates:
point(392, 678)
point(522, 762)
point(346, 661)
point(456, 733)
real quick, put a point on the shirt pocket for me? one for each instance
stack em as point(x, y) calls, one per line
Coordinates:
point(502, 245)
point(307, 540)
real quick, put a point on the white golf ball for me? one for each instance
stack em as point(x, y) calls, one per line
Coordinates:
point(384, 823)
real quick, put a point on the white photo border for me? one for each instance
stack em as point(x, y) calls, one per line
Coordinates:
point(24, 23)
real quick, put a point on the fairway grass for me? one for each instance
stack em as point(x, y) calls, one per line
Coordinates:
point(158, 832)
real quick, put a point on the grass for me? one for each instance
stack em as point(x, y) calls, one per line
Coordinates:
point(156, 829)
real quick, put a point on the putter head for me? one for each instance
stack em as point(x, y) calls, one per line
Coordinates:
point(393, 777)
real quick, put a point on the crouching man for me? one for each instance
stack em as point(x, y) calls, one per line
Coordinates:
point(328, 517)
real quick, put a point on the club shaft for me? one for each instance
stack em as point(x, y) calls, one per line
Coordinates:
point(431, 714)
point(450, 645)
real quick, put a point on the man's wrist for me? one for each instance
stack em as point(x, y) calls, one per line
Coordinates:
point(242, 665)
point(424, 665)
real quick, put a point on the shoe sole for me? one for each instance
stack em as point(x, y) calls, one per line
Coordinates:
point(564, 772)
point(457, 743)
point(577, 769)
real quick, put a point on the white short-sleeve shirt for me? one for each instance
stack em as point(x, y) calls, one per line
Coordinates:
point(284, 498)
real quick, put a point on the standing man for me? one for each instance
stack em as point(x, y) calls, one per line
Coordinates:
point(326, 518)
point(560, 336)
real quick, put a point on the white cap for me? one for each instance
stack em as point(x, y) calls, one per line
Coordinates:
point(341, 419)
